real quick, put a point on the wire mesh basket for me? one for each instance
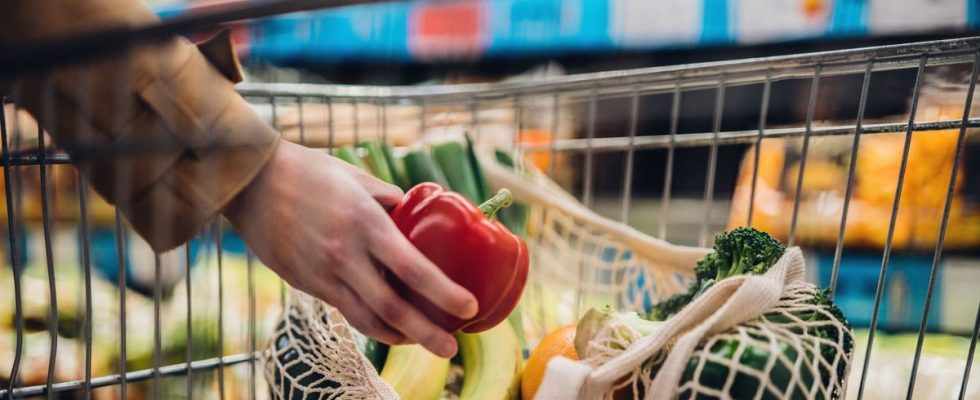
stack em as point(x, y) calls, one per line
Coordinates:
point(635, 147)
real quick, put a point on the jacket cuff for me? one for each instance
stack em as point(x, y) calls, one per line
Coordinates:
point(222, 145)
point(191, 194)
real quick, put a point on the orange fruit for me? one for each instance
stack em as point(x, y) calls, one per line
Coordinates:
point(560, 342)
point(540, 159)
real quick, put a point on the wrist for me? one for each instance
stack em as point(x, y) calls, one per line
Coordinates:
point(237, 208)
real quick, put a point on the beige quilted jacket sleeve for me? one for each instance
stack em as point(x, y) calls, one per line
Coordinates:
point(159, 131)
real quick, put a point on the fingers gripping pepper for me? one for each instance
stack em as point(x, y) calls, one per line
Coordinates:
point(472, 249)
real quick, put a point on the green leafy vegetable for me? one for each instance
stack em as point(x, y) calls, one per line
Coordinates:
point(349, 154)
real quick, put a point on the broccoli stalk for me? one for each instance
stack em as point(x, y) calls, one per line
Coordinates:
point(742, 251)
point(595, 320)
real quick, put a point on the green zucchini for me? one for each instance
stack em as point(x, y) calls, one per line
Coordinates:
point(395, 166)
point(452, 159)
point(482, 186)
point(377, 161)
point(349, 154)
point(419, 167)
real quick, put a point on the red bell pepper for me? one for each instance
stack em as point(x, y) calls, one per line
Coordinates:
point(472, 249)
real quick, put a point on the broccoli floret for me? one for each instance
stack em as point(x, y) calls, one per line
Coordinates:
point(745, 251)
point(739, 251)
point(670, 306)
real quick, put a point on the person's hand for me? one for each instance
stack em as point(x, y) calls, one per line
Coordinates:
point(321, 224)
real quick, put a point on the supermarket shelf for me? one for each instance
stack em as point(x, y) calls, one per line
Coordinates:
point(423, 31)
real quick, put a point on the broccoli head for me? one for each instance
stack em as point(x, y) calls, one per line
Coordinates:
point(740, 251)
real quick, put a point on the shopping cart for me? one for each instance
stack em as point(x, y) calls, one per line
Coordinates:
point(591, 133)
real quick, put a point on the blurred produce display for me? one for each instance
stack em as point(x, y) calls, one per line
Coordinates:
point(877, 169)
point(139, 315)
point(940, 370)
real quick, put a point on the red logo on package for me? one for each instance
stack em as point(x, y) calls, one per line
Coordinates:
point(447, 31)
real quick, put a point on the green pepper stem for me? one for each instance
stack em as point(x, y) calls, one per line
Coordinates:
point(502, 199)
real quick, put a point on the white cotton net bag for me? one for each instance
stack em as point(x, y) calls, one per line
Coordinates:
point(313, 355)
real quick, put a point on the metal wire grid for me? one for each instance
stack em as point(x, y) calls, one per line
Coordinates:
point(592, 88)
point(587, 90)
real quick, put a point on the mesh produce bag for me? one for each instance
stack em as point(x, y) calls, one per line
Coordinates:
point(580, 259)
point(313, 355)
point(747, 337)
